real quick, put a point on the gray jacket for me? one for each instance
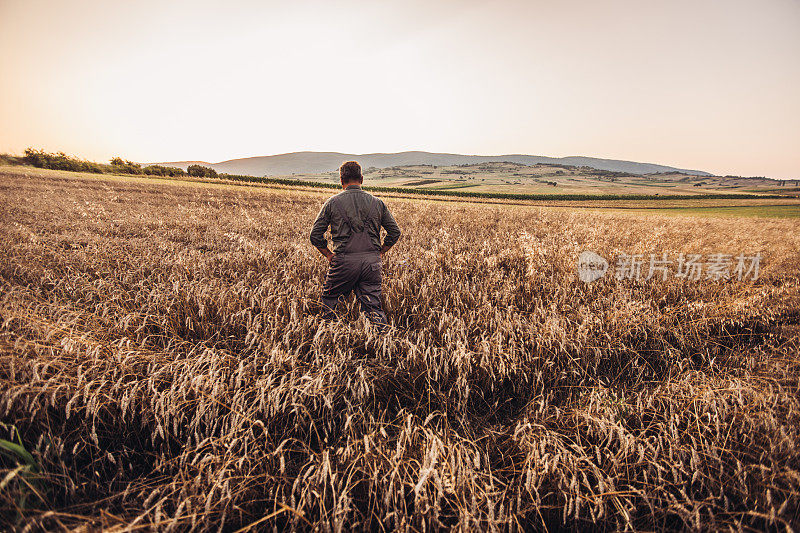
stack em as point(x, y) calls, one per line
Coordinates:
point(357, 203)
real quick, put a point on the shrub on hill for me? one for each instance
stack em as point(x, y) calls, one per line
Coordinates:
point(59, 161)
point(160, 170)
point(199, 171)
point(8, 159)
point(126, 167)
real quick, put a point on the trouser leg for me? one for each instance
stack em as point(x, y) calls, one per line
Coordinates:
point(368, 291)
point(341, 278)
point(329, 307)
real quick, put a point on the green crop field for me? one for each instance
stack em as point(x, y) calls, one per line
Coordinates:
point(764, 211)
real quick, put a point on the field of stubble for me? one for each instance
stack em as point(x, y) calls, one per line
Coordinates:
point(163, 362)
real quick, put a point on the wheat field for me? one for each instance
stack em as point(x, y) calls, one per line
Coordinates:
point(164, 367)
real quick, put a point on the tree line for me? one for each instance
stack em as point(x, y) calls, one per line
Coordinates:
point(117, 165)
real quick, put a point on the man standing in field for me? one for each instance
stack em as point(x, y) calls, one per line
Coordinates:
point(355, 218)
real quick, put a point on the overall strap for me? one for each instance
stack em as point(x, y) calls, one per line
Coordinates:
point(373, 208)
point(370, 211)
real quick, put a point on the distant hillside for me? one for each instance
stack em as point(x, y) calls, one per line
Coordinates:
point(315, 162)
point(184, 164)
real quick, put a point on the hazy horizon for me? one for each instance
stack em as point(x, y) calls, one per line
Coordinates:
point(385, 152)
point(703, 85)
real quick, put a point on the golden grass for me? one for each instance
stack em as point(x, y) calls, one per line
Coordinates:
point(162, 357)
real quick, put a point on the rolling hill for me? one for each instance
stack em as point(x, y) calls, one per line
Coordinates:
point(316, 162)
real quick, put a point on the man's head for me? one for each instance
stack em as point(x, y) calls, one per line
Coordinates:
point(350, 173)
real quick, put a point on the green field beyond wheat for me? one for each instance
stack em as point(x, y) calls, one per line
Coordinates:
point(164, 367)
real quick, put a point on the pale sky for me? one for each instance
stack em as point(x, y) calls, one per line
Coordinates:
point(708, 85)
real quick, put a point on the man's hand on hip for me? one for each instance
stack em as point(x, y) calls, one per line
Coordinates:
point(327, 253)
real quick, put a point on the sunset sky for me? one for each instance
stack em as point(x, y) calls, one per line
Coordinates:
point(708, 85)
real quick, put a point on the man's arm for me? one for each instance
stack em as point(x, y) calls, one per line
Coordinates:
point(318, 231)
point(392, 230)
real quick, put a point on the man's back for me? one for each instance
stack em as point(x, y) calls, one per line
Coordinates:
point(349, 212)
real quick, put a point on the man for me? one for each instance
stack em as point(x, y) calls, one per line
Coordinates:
point(355, 218)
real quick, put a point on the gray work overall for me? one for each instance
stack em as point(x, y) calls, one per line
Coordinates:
point(356, 267)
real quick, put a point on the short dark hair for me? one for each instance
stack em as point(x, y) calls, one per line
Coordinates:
point(350, 172)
